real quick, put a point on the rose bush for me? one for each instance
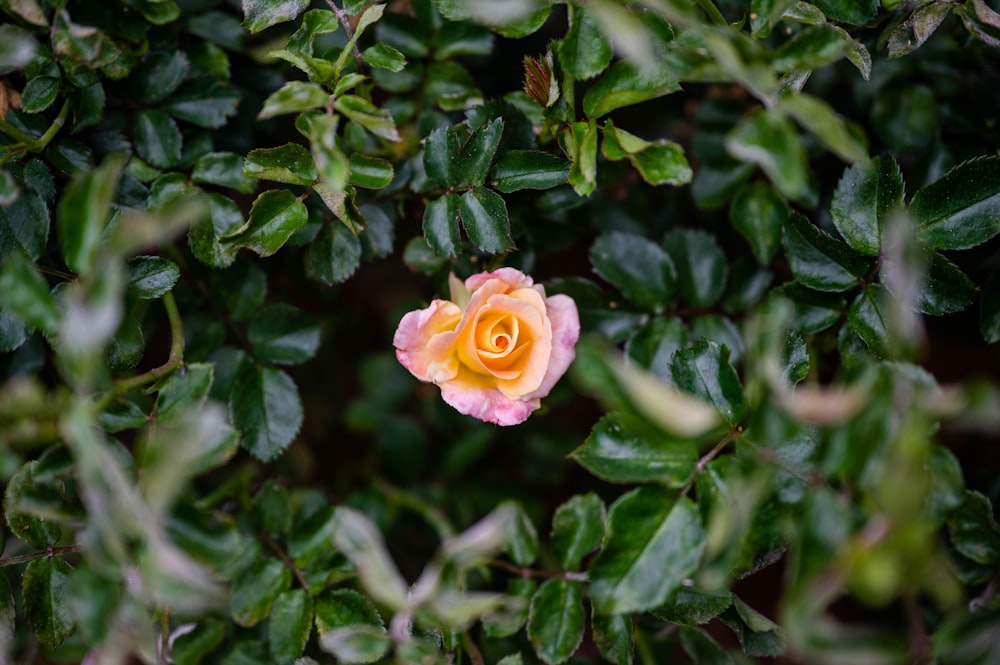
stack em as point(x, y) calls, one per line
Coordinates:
point(495, 349)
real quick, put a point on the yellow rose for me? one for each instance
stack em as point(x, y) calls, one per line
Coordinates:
point(495, 349)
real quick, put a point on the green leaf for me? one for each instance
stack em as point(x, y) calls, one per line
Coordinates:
point(654, 543)
point(843, 137)
point(765, 137)
point(580, 145)
point(945, 289)
point(758, 635)
point(370, 172)
point(974, 531)
point(693, 606)
point(28, 10)
point(522, 538)
point(528, 169)
point(811, 48)
point(584, 52)
point(484, 216)
point(700, 263)
point(24, 293)
point(440, 149)
point(383, 56)
point(274, 217)
point(43, 589)
point(626, 84)
point(911, 34)
point(8, 611)
point(556, 620)
point(17, 48)
point(359, 540)
point(224, 169)
point(377, 121)
point(339, 608)
point(854, 12)
point(641, 269)
point(704, 371)
point(867, 318)
point(331, 163)
point(265, 407)
point(290, 163)
point(294, 97)
point(962, 208)
point(441, 225)
point(272, 509)
point(613, 637)
point(255, 590)
point(623, 449)
point(289, 625)
point(283, 335)
point(522, 22)
point(24, 225)
point(183, 390)
point(191, 647)
point(460, 38)
point(989, 309)
point(653, 345)
point(83, 214)
point(315, 22)
point(659, 163)
point(815, 311)
point(81, 44)
point(818, 260)
point(157, 139)
point(159, 74)
point(702, 649)
point(866, 194)
point(334, 256)
point(356, 643)
point(39, 93)
point(473, 160)
point(509, 622)
point(758, 212)
point(577, 529)
point(32, 529)
point(151, 276)
point(203, 101)
point(261, 14)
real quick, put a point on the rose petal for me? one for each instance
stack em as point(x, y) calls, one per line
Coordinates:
point(419, 341)
point(565, 322)
point(514, 278)
point(471, 394)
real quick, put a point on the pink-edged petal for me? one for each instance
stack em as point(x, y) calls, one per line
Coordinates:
point(513, 277)
point(413, 340)
point(472, 398)
point(565, 332)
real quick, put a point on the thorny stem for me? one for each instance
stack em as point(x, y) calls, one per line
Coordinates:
point(346, 22)
point(48, 552)
point(285, 559)
point(531, 572)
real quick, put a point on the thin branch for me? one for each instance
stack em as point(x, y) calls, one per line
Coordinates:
point(526, 573)
point(713, 12)
point(39, 144)
point(49, 552)
point(470, 648)
point(285, 559)
point(346, 22)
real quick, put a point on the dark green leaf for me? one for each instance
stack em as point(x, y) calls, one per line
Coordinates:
point(459, 38)
point(528, 169)
point(441, 225)
point(947, 485)
point(704, 370)
point(24, 293)
point(151, 276)
point(359, 643)
point(314, 22)
point(484, 216)
point(289, 625)
point(191, 647)
point(334, 256)
point(158, 74)
point(758, 635)
point(266, 408)
point(255, 590)
point(290, 163)
point(283, 334)
point(702, 649)
point(203, 101)
point(989, 309)
point(24, 225)
point(43, 589)
point(224, 169)
point(32, 529)
point(766, 137)
point(260, 14)
point(915, 30)
point(700, 263)
point(556, 620)
point(623, 449)
point(272, 508)
point(811, 48)
point(855, 12)
point(440, 149)
point(818, 260)
point(945, 288)
point(841, 136)
point(125, 349)
point(577, 529)
point(509, 622)
point(867, 318)
point(83, 214)
point(962, 208)
point(39, 93)
point(654, 344)
point(122, 415)
point(974, 531)
point(473, 160)
point(183, 390)
point(294, 97)
point(157, 138)
point(344, 607)
point(626, 84)
point(370, 172)
point(814, 310)
point(654, 543)
point(613, 637)
point(759, 213)
point(377, 121)
point(584, 51)
point(641, 269)
point(865, 196)
point(581, 148)
point(692, 606)
point(274, 217)
point(384, 56)
point(8, 611)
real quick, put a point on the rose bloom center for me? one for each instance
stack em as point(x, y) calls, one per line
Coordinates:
point(501, 343)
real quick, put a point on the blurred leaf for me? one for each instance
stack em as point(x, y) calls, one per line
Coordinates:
point(626, 84)
point(356, 644)
point(289, 625)
point(584, 51)
point(203, 101)
point(18, 48)
point(377, 121)
point(768, 139)
point(865, 196)
point(283, 335)
point(265, 407)
point(255, 590)
point(867, 317)
point(339, 608)
point(370, 172)
point(261, 14)
point(841, 136)
point(157, 75)
point(83, 214)
point(577, 529)
point(24, 524)
point(640, 268)
point(692, 606)
point(758, 212)
point(974, 531)
point(522, 538)
point(811, 48)
point(911, 34)
point(818, 260)
point(484, 216)
point(383, 56)
point(758, 635)
point(702, 649)
point(989, 312)
point(224, 169)
point(24, 224)
point(43, 589)
point(151, 276)
point(704, 371)
point(272, 508)
point(357, 538)
point(334, 256)
point(654, 542)
point(556, 620)
point(962, 208)
point(183, 390)
point(290, 163)
point(191, 647)
point(854, 12)
point(945, 288)
point(613, 637)
point(24, 293)
point(700, 263)
point(622, 449)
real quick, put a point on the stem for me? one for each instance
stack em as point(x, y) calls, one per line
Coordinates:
point(285, 559)
point(713, 12)
point(708, 457)
point(50, 552)
point(39, 144)
point(346, 22)
point(919, 643)
point(642, 646)
point(541, 574)
point(470, 647)
point(411, 501)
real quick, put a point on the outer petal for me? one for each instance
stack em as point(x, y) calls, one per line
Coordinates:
point(512, 276)
point(413, 341)
point(565, 332)
point(473, 396)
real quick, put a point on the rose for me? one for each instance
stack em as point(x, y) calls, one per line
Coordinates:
point(495, 349)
